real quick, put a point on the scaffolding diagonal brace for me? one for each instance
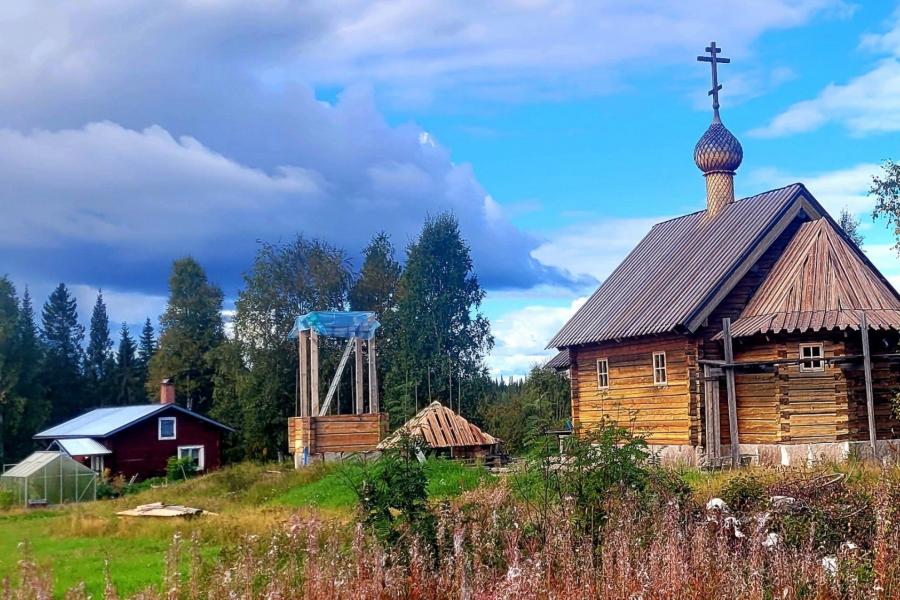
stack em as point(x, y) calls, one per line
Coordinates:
point(337, 378)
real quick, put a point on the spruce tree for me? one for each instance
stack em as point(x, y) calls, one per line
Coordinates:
point(62, 336)
point(98, 361)
point(36, 409)
point(146, 350)
point(850, 224)
point(129, 385)
point(11, 404)
point(191, 327)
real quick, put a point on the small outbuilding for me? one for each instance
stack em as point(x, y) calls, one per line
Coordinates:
point(446, 433)
point(49, 477)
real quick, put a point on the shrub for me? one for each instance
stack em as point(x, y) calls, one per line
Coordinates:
point(744, 492)
point(393, 493)
point(180, 468)
point(7, 498)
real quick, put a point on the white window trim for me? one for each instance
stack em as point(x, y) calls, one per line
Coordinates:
point(820, 359)
point(159, 434)
point(664, 369)
point(201, 456)
point(600, 386)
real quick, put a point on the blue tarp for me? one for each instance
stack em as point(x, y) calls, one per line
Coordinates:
point(339, 324)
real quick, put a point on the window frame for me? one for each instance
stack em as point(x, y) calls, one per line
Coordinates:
point(159, 431)
point(201, 455)
point(664, 369)
point(812, 359)
point(604, 373)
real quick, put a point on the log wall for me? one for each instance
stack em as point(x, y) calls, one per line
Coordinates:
point(661, 412)
point(336, 433)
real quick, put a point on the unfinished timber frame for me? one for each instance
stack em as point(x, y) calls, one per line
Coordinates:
point(319, 430)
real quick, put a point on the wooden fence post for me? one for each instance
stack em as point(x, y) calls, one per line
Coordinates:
point(732, 398)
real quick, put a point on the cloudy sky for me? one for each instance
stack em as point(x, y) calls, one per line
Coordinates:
point(133, 132)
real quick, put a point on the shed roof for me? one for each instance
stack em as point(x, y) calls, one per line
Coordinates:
point(336, 323)
point(561, 361)
point(821, 281)
point(103, 422)
point(440, 427)
point(82, 447)
point(683, 267)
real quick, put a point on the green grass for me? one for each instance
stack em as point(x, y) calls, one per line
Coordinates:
point(75, 541)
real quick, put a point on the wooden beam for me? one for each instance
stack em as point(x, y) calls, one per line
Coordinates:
point(358, 373)
point(867, 367)
point(336, 379)
point(373, 377)
point(303, 343)
point(314, 372)
point(732, 398)
point(708, 399)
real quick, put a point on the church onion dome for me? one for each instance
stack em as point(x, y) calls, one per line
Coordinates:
point(718, 150)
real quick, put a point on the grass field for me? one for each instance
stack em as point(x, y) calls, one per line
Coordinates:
point(76, 542)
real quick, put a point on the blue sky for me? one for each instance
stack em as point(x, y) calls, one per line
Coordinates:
point(134, 133)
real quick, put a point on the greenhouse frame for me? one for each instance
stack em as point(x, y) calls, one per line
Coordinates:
point(49, 478)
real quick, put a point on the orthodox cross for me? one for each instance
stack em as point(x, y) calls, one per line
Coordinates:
point(714, 60)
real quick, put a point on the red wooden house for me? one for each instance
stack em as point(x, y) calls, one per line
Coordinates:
point(139, 440)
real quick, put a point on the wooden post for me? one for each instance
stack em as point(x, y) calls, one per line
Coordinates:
point(358, 373)
point(303, 342)
point(708, 398)
point(314, 372)
point(867, 367)
point(373, 378)
point(732, 399)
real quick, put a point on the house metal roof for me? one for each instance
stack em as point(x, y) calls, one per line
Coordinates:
point(104, 422)
point(681, 267)
point(82, 447)
point(560, 362)
point(821, 281)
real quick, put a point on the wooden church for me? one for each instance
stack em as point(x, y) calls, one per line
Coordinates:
point(753, 330)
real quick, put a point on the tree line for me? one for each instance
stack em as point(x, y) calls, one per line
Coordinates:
point(431, 345)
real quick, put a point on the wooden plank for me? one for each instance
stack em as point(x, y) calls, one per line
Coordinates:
point(867, 367)
point(732, 396)
point(332, 388)
point(358, 373)
point(373, 378)
point(303, 343)
point(314, 372)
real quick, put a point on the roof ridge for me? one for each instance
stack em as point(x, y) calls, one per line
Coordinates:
point(739, 200)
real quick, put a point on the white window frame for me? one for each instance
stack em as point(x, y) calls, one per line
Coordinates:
point(159, 431)
point(812, 360)
point(201, 455)
point(603, 374)
point(664, 369)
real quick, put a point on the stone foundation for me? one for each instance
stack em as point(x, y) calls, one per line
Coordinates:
point(786, 455)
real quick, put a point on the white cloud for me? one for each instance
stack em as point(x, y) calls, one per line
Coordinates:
point(833, 189)
point(520, 336)
point(593, 248)
point(867, 104)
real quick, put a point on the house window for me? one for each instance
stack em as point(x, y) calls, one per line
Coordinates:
point(195, 453)
point(603, 373)
point(167, 429)
point(660, 377)
point(812, 356)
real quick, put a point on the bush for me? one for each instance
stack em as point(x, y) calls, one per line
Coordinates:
point(178, 469)
point(7, 498)
point(744, 492)
point(393, 494)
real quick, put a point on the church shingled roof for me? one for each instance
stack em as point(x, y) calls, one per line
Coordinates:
point(678, 269)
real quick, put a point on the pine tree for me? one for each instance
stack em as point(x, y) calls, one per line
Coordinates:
point(191, 327)
point(441, 337)
point(98, 361)
point(146, 350)
point(129, 385)
point(62, 336)
point(850, 224)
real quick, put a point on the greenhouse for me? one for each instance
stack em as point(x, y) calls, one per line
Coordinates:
point(49, 478)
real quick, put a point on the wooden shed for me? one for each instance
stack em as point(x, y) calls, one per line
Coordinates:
point(755, 327)
point(446, 433)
